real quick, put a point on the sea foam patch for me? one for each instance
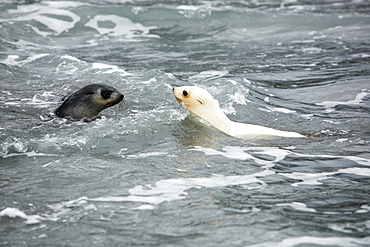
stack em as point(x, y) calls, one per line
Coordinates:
point(15, 60)
point(145, 155)
point(175, 189)
point(120, 26)
point(330, 105)
point(315, 178)
point(319, 241)
point(53, 15)
point(240, 153)
point(209, 75)
point(164, 191)
point(297, 206)
point(109, 69)
point(16, 213)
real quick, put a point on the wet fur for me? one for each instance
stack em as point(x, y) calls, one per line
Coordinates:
point(89, 101)
point(201, 103)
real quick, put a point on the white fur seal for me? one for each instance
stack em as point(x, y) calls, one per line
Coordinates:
point(89, 101)
point(201, 103)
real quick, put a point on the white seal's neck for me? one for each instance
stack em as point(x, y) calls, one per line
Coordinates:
point(214, 115)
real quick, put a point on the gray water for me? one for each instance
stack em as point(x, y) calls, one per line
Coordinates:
point(144, 174)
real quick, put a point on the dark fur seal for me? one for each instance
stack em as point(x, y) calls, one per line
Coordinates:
point(89, 101)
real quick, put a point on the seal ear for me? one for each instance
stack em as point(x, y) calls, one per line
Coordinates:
point(200, 101)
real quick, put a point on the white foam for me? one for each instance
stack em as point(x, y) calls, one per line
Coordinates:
point(195, 11)
point(49, 163)
point(109, 69)
point(150, 81)
point(280, 109)
point(42, 13)
point(13, 60)
point(121, 27)
point(189, 7)
point(356, 170)
point(312, 50)
point(43, 100)
point(314, 178)
point(14, 213)
point(350, 227)
point(364, 209)
point(238, 98)
point(339, 228)
point(236, 152)
point(28, 154)
point(308, 178)
point(168, 190)
point(144, 155)
point(228, 109)
point(298, 206)
point(72, 58)
point(175, 189)
point(144, 207)
point(322, 241)
point(65, 141)
point(209, 74)
point(359, 160)
point(331, 104)
point(342, 140)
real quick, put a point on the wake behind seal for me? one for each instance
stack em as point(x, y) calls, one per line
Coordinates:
point(89, 101)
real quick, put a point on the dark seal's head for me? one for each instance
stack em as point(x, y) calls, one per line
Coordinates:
point(89, 101)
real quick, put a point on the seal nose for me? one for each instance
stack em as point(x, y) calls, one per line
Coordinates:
point(121, 97)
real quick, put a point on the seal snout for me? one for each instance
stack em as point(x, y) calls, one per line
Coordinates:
point(120, 97)
point(175, 93)
point(115, 98)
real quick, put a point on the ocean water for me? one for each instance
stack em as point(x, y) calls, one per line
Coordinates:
point(144, 174)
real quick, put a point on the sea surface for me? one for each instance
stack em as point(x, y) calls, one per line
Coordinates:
point(145, 174)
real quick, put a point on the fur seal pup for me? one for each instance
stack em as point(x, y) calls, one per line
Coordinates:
point(89, 101)
point(201, 103)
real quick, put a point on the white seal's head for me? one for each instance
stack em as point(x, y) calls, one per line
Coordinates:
point(89, 101)
point(201, 103)
point(198, 100)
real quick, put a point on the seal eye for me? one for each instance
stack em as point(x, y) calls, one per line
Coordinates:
point(106, 94)
point(185, 93)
